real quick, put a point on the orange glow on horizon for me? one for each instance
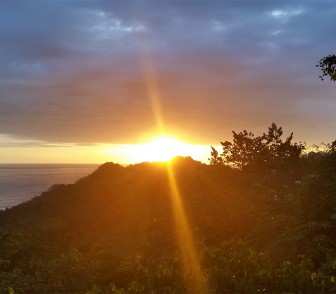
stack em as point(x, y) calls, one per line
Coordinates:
point(162, 149)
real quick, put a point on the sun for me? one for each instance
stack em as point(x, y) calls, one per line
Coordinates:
point(161, 149)
point(158, 149)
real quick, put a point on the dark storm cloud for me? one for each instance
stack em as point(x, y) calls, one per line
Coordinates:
point(73, 71)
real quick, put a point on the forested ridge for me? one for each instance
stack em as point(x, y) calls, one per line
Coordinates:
point(262, 216)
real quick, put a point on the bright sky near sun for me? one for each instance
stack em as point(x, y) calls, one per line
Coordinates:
point(96, 81)
point(159, 149)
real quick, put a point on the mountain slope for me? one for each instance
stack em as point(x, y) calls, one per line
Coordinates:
point(115, 231)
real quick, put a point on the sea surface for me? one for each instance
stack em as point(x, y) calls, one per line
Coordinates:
point(21, 182)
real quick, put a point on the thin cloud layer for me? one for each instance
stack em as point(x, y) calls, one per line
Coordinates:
point(73, 71)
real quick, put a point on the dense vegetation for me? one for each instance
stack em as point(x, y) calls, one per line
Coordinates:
point(268, 226)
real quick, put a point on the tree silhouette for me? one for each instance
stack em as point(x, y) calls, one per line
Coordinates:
point(250, 151)
point(328, 67)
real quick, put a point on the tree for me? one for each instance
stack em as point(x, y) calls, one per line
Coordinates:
point(250, 151)
point(328, 67)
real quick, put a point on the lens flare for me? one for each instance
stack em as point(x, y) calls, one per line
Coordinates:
point(194, 277)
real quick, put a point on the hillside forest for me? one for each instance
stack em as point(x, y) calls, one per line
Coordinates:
point(259, 218)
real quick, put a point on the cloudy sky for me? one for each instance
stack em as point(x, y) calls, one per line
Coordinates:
point(80, 73)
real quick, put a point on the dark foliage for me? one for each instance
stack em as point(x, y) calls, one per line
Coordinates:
point(254, 230)
point(328, 66)
point(267, 151)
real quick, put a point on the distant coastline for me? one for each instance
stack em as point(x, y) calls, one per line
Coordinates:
point(20, 182)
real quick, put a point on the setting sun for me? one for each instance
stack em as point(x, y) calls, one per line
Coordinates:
point(161, 149)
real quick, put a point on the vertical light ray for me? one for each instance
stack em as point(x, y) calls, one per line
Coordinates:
point(195, 280)
point(153, 93)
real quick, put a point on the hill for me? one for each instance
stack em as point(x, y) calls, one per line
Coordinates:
point(136, 229)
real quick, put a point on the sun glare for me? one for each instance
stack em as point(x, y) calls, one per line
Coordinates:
point(161, 149)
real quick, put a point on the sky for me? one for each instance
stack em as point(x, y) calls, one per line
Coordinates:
point(81, 79)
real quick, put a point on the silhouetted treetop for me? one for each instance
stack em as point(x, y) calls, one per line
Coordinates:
point(328, 67)
point(248, 150)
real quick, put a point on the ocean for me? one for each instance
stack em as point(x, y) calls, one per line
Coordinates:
point(21, 182)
